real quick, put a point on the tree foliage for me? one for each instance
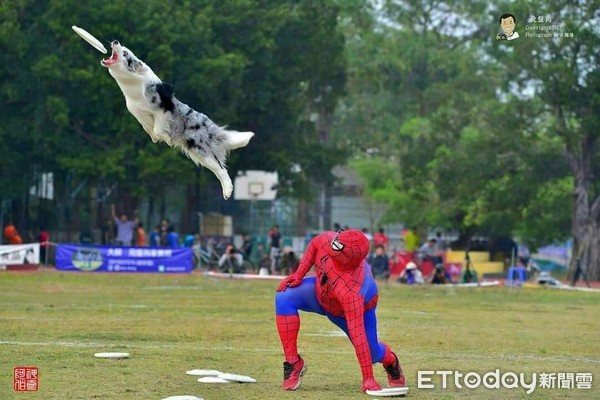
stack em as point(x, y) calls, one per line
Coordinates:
point(461, 126)
point(248, 64)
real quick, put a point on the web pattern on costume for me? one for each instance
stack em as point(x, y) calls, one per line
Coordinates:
point(288, 327)
point(340, 277)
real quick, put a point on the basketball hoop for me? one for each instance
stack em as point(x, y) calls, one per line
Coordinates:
point(255, 185)
point(255, 189)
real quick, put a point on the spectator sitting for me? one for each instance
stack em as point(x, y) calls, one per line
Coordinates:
point(172, 237)
point(11, 235)
point(412, 275)
point(440, 277)
point(231, 261)
point(188, 241)
point(379, 263)
point(429, 252)
point(289, 262)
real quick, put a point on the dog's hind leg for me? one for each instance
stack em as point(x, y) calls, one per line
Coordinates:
point(218, 169)
point(149, 131)
point(236, 139)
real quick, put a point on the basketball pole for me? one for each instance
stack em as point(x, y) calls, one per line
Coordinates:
point(252, 213)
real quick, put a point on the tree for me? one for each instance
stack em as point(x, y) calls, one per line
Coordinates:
point(458, 146)
point(564, 76)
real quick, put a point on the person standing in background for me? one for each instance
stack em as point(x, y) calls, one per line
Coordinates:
point(246, 246)
point(43, 237)
point(140, 239)
point(164, 232)
point(380, 239)
point(155, 237)
point(125, 227)
point(275, 252)
point(411, 240)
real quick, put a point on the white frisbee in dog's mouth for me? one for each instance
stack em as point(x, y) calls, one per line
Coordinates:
point(88, 37)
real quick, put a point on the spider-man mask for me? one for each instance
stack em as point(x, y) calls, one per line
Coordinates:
point(347, 249)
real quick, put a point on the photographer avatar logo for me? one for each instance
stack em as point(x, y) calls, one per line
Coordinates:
point(507, 23)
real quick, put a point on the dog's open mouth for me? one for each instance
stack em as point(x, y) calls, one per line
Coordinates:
point(110, 61)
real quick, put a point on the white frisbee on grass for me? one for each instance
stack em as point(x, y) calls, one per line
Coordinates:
point(236, 378)
point(388, 392)
point(203, 372)
point(182, 398)
point(212, 379)
point(88, 37)
point(112, 355)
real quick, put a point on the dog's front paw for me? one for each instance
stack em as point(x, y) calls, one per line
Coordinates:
point(227, 190)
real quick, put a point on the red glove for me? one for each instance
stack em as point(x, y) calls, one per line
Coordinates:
point(370, 384)
point(290, 281)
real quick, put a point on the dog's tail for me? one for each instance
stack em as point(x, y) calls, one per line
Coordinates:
point(235, 139)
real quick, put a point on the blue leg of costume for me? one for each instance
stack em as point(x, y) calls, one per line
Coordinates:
point(375, 346)
point(287, 304)
point(304, 297)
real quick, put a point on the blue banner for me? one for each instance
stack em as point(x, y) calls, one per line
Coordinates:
point(123, 259)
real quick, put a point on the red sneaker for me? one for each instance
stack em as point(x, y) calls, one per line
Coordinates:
point(292, 374)
point(394, 372)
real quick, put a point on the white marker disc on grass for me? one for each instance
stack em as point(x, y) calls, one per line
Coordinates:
point(182, 398)
point(237, 378)
point(111, 355)
point(388, 392)
point(88, 37)
point(203, 372)
point(212, 379)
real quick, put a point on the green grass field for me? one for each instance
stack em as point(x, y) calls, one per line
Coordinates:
point(170, 324)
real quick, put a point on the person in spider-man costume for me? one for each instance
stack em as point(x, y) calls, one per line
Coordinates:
point(343, 290)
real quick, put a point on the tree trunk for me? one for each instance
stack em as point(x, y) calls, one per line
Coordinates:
point(586, 236)
point(586, 216)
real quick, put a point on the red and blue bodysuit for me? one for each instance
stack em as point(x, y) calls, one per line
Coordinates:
point(343, 290)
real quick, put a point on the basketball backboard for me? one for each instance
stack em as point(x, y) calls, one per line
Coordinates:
point(255, 185)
